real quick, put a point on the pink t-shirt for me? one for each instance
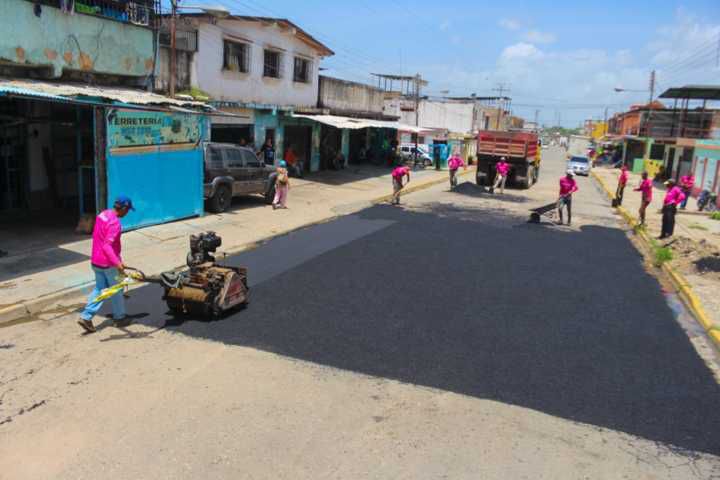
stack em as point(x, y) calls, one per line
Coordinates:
point(455, 162)
point(400, 172)
point(646, 187)
point(674, 195)
point(106, 240)
point(567, 186)
point(502, 168)
point(687, 181)
point(623, 177)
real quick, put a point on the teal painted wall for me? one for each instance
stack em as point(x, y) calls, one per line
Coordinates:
point(76, 42)
point(707, 165)
point(345, 144)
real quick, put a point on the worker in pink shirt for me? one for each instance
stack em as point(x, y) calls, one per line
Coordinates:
point(673, 198)
point(502, 168)
point(454, 164)
point(397, 178)
point(687, 182)
point(645, 187)
point(622, 181)
point(568, 186)
point(106, 261)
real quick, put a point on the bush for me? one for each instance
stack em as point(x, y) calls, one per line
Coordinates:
point(715, 216)
point(662, 255)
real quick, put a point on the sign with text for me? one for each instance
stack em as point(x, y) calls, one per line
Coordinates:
point(137, 128)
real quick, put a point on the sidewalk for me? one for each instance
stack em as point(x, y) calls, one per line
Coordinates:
point(32, 281)
point(695, 245)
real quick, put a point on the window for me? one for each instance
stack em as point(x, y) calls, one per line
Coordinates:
point(272, 64)
point(216, 161)
point(234, 158)
point(251, 160)
point(236, 56)
point(301, 70)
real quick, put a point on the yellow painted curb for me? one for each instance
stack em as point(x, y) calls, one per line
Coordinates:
point(688, 297)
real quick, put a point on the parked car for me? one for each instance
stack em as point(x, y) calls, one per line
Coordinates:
point(231, 171)
point(579, 165)
point(407, 153)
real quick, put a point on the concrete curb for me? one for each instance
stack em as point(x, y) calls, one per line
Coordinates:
point(688, 297)
point(23, 311)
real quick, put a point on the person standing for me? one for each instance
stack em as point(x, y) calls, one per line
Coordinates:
point(673, 198)
point(568, 186)
point(282, 185)
point(267, 152)
point(397, 179)
point(501, 172)
point(645, 187)
point(106, 261)
point(622, 182)
point(454, 164)
point(294, 164)
point(687, 182)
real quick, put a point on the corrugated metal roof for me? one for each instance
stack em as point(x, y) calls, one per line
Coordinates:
point(693, 92)
point(69, 91)
point(358, 123)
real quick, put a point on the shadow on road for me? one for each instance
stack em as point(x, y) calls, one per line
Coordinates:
point(563, 322)
point(473, 190)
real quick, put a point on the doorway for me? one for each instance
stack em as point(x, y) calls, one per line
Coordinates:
point(300, 138)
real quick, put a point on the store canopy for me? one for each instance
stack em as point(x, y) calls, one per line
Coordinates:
point(693, 92)
point(69, 92)
point(358, 123)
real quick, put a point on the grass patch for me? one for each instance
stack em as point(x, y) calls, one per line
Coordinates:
point(661, 254)
point(697, 226)
point(715, 216)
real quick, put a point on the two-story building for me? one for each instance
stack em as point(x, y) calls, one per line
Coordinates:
point(261, 70)
point(78, 124)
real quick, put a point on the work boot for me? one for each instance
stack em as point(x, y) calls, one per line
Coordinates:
point(87, 325)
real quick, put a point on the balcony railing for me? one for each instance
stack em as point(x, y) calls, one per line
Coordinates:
point(137, 12)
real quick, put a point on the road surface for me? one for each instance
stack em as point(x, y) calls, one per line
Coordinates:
point(446, 338)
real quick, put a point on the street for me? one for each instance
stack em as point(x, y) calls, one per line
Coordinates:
point(444, 338)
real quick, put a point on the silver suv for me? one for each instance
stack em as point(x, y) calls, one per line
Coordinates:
point(231, 171)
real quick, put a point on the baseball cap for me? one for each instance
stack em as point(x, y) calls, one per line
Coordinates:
point(283, 163)
point(124, 201)
point(571, 173)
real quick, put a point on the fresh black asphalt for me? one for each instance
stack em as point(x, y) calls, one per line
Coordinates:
point(563, 322)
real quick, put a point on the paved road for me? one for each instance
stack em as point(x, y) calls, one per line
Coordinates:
point(443, 339)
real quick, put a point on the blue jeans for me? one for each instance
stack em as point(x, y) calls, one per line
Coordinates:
point(687, 193)
point(104, 278)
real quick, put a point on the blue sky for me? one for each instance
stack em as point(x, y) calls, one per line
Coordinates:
point(562, 58)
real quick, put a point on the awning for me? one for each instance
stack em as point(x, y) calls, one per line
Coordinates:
point(358, 123)
point(67, 92)
point(693, 92)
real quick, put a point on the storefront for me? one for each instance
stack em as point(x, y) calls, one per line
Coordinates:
point(67, 151)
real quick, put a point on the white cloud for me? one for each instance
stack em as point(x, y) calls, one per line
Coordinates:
point(536, 36)
point(521, 50)
point(510, 24)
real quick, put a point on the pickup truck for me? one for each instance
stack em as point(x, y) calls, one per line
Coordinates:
point(520, 150)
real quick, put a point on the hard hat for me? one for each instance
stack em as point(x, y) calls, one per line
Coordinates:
point(571, 173)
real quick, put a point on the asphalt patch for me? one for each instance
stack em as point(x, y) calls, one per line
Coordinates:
point(564, 322)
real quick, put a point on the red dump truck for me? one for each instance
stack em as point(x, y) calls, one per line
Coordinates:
point(521, 149)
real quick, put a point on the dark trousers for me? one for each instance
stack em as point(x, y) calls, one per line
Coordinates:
point(567, 203)
point(620, 192)
point(668, 220)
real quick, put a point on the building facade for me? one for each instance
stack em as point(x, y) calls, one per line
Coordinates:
point(259, 70)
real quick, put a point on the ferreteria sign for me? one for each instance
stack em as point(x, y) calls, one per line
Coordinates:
point(133, 128)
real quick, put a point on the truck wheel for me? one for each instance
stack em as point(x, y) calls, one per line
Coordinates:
point(527, 181)
point(221, 200)
point(270, 194)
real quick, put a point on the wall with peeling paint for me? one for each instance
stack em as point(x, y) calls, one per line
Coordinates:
point(75, 42)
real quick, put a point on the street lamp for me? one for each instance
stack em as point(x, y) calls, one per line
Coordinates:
point(217, 11)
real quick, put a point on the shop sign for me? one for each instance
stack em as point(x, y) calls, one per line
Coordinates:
point(137, 128)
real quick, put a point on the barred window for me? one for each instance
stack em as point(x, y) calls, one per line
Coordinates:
point(236, 57)
point(272, 64)
point(301, 70)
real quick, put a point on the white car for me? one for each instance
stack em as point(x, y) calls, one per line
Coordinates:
point(579, 165)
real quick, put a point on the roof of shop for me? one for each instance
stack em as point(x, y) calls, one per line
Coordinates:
point(78, 92)
point(358, 123)
point(694, 92)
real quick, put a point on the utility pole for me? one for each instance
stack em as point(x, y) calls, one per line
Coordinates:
point(501, 88)
point(652, 86)
point(537, 116)
point(173, 46)
point(417, 115)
